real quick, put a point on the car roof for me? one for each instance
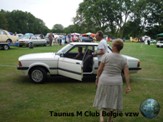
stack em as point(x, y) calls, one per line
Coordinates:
point(87, 43)
point(84, 43)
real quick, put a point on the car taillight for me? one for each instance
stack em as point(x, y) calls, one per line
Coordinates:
point(138, 65)
point(19, 64)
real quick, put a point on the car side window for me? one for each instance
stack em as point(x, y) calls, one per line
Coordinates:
point(76, 52)
point(4, 33)
point(33, 37)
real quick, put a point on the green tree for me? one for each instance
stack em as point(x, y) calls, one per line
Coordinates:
point(3, 20)
point(154, 17)
point(106, 15)
point(58, 28)
point(121, 18)
point(21, 22)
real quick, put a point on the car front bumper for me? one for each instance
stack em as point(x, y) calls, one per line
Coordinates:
point(22, 68)
point(134, 70)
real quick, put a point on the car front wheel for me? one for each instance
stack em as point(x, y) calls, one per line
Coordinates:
point(38, 75)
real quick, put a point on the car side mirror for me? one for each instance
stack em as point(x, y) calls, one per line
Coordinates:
point(62, 54)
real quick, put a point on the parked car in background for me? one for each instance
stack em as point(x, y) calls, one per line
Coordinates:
point(159, 42)
point(153, 41)
point(87, 39)
point(40, 36)
point(64, 62)
point(5, 36)
point(19, 35)
point(28, 39)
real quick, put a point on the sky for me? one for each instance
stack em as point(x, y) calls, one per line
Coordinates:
point(50, 11)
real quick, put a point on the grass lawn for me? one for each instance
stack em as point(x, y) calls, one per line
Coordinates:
point(23, 101)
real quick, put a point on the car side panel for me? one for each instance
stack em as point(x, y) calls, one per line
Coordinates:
point(50, 65)
point(38, 41)
point(4, 38)
point(95, 65)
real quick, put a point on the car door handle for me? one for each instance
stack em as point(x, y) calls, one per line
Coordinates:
point(77, 63)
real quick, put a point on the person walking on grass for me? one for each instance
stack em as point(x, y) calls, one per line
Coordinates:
point(109, 82)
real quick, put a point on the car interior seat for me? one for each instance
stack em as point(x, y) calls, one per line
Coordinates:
point(88, 61)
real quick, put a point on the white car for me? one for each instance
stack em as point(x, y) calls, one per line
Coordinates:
point(27, 40)
point(159, 43)
point(37, 66)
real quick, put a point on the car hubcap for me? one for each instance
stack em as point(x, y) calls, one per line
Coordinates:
point(6, 47)
point(37, 75)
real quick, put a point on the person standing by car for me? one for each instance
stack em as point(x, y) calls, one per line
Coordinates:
point(50, 37)
point(102, 46)
point(109, 82)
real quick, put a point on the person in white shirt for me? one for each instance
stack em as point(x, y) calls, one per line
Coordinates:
point(102, 46)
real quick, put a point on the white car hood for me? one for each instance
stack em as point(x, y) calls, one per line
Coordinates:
point(39, 56)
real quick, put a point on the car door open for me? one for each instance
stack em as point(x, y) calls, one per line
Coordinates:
point(70, 68)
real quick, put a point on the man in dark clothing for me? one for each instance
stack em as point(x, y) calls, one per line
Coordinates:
point(50, 37)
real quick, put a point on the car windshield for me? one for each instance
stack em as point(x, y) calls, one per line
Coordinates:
point(65, 49)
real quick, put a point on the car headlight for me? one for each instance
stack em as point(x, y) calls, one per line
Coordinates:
point(19, 64)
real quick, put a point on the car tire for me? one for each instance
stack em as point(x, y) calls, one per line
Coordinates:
point(38, 75)
point(5, 47)
point(30, 45)
point(45, 44)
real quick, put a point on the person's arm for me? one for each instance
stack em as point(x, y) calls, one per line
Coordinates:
point(99, 71)
point(99, 52)
point(77, 56)
point(126, 74)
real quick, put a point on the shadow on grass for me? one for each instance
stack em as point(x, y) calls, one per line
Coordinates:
point(56, 79)
point(61, 79)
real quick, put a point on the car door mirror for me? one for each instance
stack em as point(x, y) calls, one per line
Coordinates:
point(62, 54)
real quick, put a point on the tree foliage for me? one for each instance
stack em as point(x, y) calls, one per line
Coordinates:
point(58, 28)
point(21, 22)
point(122, 18)
point(119, 18)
